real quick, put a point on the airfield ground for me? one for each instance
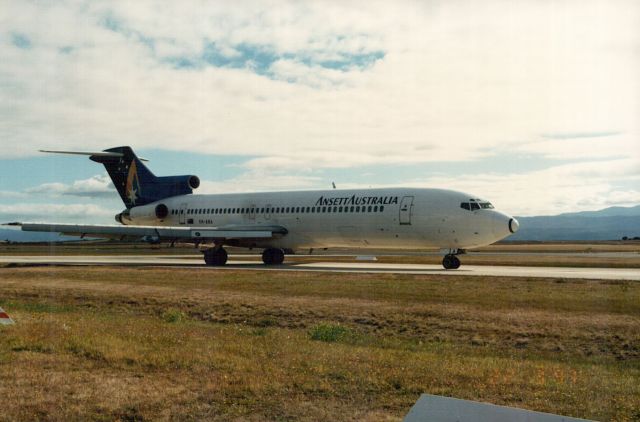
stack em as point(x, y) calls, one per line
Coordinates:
point(149, 343)
point(611, 254)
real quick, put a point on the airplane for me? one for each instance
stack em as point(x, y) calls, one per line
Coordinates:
point(164, 209)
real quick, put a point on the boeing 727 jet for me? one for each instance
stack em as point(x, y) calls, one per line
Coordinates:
point(164, 209)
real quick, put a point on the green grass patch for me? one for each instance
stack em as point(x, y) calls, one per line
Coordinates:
point(260, 331)
point(173, 316)
point(330, 333)
point(36, 307)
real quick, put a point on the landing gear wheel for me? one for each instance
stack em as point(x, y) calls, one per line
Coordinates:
point(216, 257)
point(273, 256)
point(450, 262)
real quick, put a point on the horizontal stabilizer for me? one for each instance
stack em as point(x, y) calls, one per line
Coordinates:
point(95, 154)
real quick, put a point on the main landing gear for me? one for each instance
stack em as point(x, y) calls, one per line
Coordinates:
point(451, 261)
point(215, 256)
point(273, 256)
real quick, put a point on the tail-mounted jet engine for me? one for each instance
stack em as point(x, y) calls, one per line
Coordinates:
point(161, 211)
point(123, 217)
point(146, 214)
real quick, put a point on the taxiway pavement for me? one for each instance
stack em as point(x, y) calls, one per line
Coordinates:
point(352, 267)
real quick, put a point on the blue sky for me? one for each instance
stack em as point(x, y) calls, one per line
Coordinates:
point(533, 106)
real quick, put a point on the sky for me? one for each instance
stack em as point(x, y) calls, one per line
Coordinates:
point(533, 105)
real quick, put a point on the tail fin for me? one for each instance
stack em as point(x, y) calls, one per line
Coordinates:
point(135, 183)
point(128, 174)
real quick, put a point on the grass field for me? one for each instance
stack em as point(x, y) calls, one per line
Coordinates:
point(147, 344)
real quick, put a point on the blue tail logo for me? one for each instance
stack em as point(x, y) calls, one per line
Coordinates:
point(133, 183)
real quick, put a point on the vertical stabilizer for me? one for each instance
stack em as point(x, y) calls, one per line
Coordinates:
point(128, 174)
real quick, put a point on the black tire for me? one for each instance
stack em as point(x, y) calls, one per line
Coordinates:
point(448, 262)
point(273, 256)
point(215, 257)
point(267, 257)
point(456, 262)
point(221, 256)
point(278, 256)
point(208, 257)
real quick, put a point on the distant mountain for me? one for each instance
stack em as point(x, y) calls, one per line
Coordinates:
point(608, 224)
point(607, 212)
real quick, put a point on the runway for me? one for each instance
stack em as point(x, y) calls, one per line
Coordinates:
point(191, 261)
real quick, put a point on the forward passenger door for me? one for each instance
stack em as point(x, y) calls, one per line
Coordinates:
point(406, 210)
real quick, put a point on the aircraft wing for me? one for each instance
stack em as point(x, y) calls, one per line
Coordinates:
point(168, 233)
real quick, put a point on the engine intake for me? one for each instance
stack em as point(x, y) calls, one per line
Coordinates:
point(194, 182)
point(123, 217)
point(161, 211)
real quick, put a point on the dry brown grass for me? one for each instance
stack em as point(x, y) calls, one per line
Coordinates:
point(146, 344)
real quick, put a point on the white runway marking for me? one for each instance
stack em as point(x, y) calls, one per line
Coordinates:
point(350, 267)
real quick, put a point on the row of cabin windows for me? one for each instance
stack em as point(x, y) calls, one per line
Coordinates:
point(281, 210)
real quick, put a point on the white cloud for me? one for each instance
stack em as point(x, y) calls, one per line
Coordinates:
point(6, 194)
point(53, 212)
point(563, 188)
point(259, 181)
point(458, 81)
point(95, 186)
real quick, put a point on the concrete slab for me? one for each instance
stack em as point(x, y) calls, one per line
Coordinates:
point(329, 266)
point(448, 409)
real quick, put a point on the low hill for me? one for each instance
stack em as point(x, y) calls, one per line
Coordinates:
point(608, 224)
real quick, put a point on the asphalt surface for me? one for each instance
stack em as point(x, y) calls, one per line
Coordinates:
point(358, 266)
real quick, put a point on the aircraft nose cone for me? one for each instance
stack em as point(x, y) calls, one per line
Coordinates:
point(503, 225)
point(513, 225)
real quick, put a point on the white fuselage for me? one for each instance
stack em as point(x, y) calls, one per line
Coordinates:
point(366, 218)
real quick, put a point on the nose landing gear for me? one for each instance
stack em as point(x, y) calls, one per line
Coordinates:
point(451, 261)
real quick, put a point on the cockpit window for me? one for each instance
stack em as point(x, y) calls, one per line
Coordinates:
point(473, 205)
